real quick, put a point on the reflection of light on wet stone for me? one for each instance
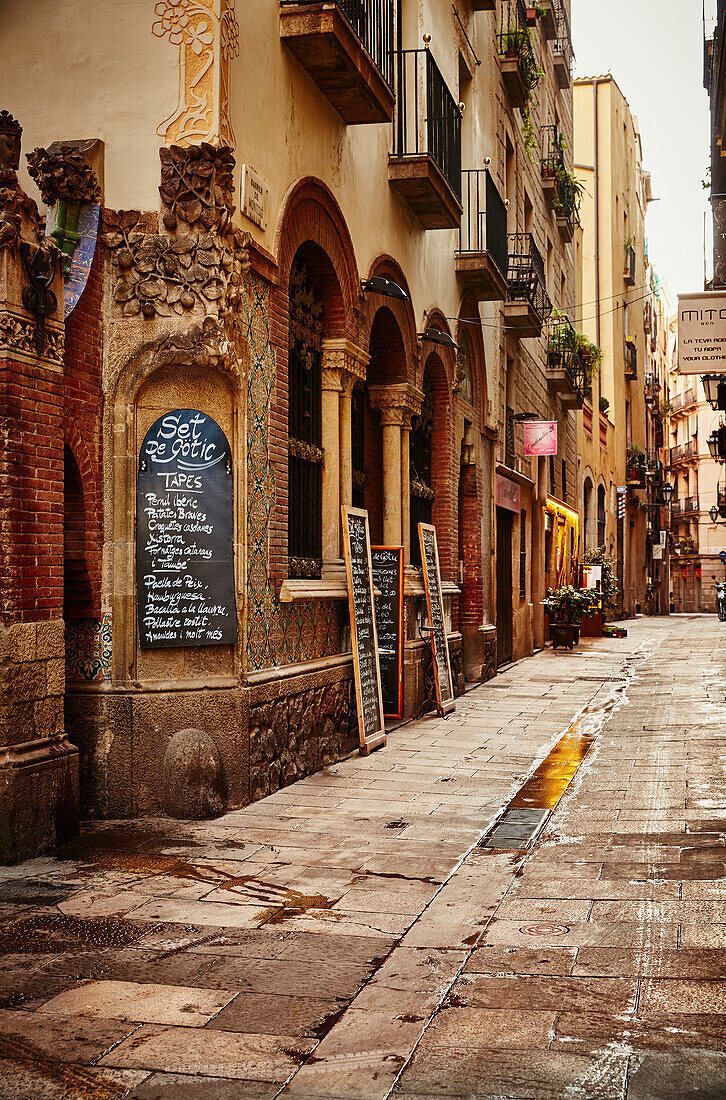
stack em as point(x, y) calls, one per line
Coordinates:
point(544, 929)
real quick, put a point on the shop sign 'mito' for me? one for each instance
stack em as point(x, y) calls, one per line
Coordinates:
point(702, 333)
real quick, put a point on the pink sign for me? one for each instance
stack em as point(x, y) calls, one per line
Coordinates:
point(540, 437)
point(507, 494)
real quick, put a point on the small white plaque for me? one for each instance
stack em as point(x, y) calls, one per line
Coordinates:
point(253, 199)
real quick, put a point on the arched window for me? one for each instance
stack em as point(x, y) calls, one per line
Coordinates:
point(304, 427)
point(358, 443)
point(422, 493)
point(586, 518)
point(601, 515)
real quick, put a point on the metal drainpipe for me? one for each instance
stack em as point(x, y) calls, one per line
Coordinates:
point(597, 216)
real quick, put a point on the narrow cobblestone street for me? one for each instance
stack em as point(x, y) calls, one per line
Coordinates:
point(365, 934)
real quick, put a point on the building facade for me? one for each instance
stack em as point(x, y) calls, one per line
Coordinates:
point(613, 286)
point(334, 236)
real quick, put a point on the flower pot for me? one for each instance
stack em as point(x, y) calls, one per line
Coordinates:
point(564, 634)
point(531, 17)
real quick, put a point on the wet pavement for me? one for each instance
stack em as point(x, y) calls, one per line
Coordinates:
point(526, 899)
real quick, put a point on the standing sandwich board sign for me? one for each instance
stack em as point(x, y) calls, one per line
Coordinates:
point(435, 604)
point(366, 666)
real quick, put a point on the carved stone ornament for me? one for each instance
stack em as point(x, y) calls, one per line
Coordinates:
point(15, 205)
point(18, 335)
point(197, 186)
point(62, 174)
point(157, 275)
point(202, 345)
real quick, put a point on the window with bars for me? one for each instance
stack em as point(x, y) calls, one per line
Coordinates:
point(522, 554)
point(304, 532)
point(358, 443)
point(422, 494)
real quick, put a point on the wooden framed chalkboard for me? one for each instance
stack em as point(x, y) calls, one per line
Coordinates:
point(388, 579)
point(185, 593)
point(435, 603)
point(359, 569)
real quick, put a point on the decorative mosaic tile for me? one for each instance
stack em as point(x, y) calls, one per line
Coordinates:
point(88, 648)
point(276, 634)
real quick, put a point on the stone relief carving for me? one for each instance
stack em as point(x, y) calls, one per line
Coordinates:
point(197, 186)
point(15, 205)
point(206, 33)
point(62, 174)
point(17, 334)
point(157, 275)
point(202, 345)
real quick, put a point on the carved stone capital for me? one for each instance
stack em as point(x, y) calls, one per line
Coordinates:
point(345, 356)
point(397, 403)
point(330, 379)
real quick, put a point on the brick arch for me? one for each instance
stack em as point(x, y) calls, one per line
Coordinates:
point(443, 480)
point(386, 267)
point(310, 213)
point(446, 356)
point(469, 322)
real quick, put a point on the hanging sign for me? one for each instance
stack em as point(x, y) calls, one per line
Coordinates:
point(184, 553)
point(359, 570)
point(388, 579)
point(507, 494)
point(540, 437)
point(702, 332)
point(657, 552)
point(435, 604)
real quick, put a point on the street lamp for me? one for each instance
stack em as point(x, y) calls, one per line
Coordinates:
point(715, 387)
point(717, 444)
point(713, 513)
point(385, 287)
point(667, 492)
point(436, 336)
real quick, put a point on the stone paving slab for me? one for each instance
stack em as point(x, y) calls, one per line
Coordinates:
point(347, 938)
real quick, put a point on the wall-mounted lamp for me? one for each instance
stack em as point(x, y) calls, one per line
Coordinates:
point(386, 287)
point(436, 336)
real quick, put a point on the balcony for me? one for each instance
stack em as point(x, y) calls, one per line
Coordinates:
point(425, 165)
point(483, 5)
point(676, 402)
point(684, 451)
point(562, 55)
point(519, 68)
point(690, 505)
point(346, 48)
point(631, 359)
point(652, 390)
point(629, 269)
point(689, 398)
point(482, 255)
point(552, 163)
point(676, 454)
point(528, 306)
point(648, 318)
point(566, 373)
point(548, 18)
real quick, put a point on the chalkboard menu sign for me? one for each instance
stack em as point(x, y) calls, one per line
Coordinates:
point(388, 579)
point(435, 604)
point(184, 555)
point(359, 569)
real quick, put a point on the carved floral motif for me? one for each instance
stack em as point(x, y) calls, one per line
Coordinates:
point(18, 334)
point(14, 203)
point(63, 174)
point(197, 185)
point(308, 451)
point(158, 275)
point(207, 35)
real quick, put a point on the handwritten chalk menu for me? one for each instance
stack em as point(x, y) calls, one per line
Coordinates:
point(435, 604)
point(359, 569)
point(184, 556)
point(388, 579)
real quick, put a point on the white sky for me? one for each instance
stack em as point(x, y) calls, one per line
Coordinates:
point(654, 49)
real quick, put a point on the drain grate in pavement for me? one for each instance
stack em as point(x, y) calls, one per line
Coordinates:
point(514, 829)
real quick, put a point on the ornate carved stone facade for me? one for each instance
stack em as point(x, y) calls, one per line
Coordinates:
point(62, 173)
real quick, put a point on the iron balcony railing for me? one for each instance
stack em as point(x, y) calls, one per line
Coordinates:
point(677, 507)
point(676, 402)
point(689, 397)
point(690, 449)
point(690, 504)
point(629, 270)
point(553, 153)
point(563, 353)
point(631, 359)
point(526, 274)
point(427, 119)
point(562, 45)
point(515, 40)
point(652, 387)
point(373, 24)
point(484, 224)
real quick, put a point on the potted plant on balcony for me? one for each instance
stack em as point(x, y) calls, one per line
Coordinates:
point(604, 405)
point(564, 608)
point(635, 466)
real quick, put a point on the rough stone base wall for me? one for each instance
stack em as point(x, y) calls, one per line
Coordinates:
point(32, 674)
point(296, 734)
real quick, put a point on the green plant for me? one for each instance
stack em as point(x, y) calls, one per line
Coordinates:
point(567, 604)
point(630, 243)
point(609, 591)
point(665, 408)
point(604, 404)
point(517, 42)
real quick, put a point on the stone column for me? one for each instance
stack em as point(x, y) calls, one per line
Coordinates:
point(406, 485)
point(330, 403)
point(397, 403)
point(538, 565)
point(342, 363)
point(348, 381)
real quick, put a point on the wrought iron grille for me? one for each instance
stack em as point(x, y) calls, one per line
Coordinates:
point(373, 23)
point(631, 359)
point(427, 119)
point(484, 224)
point(526, 274)
point(358, 443)
point(305, 454)
point(422, 494)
